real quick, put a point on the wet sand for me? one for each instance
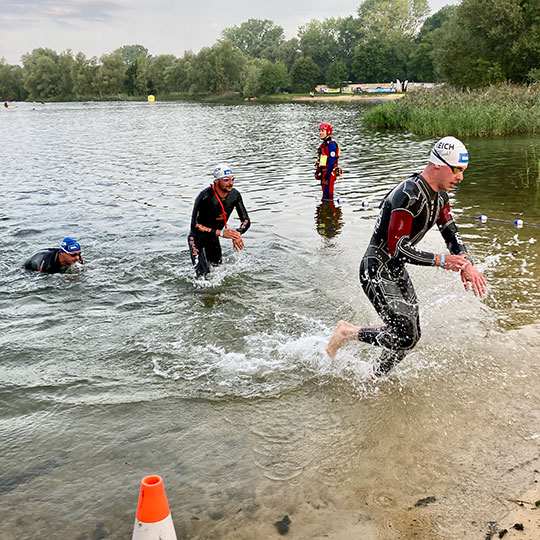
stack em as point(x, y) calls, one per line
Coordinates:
point(523, 521)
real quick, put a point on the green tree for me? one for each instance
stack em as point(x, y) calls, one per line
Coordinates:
point(142, 75)
point(130, 53)
point(258, 38)
point(250, 78)
point(11, 82)
point(179, 74)
point(487, 41)
point(158, 71)
point(319, 41)
point(41, 74)
point(338, 75)
point(65, 64)
point(217, 69)
point(288, 52)
point(111, 74)
point(380, 60)
point(382, 17)
point(305, 74)
point(274, 77)
point(349, 34)
point(421, 66)
point(84, 75)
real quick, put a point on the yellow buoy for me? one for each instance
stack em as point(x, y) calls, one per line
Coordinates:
point(151, 98)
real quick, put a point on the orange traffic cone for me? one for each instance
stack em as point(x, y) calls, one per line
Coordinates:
point(153, 521)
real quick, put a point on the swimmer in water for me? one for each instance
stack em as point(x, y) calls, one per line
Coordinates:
point(55, 260)
point(213, 207)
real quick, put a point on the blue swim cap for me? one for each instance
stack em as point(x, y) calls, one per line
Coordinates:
point(69, 245)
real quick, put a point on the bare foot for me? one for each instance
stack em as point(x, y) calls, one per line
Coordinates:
point(344, 332)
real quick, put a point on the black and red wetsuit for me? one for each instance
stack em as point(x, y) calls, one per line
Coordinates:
point(326, 168)
point(207, 218)
point(407, 213)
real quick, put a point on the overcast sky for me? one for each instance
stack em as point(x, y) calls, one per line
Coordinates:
point(96, 27)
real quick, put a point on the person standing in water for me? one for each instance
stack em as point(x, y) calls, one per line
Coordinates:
point(212, 209)
point(407, 213)
point(326, 168)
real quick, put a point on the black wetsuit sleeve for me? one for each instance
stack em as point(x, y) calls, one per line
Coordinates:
point(243, 215)
point(200, 208)
point(449, 230)
point(45, 261)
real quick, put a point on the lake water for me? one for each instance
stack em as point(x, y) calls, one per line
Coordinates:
point(131, 366)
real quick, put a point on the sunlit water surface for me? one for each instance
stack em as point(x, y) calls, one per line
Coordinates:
point(130, 365)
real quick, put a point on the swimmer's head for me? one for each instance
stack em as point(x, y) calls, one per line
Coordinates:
point(221, 171)
point(69, 245)
point(449, 151)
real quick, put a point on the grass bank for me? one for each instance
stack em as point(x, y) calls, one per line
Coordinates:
point(504, 109)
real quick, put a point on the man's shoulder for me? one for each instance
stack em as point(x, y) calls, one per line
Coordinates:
point(43, 258)
point(46, 253)
point(408, 191)
point(205, 193)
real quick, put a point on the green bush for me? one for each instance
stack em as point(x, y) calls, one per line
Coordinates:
point(503, 109)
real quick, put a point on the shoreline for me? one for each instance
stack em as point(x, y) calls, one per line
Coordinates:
point(351, 97)
point(276, 98)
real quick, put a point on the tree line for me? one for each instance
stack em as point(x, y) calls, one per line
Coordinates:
point(473, 44)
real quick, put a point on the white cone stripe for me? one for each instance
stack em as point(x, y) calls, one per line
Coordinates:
point(161, 530)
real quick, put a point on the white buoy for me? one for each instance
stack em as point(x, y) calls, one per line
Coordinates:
point(483, 219)
point(518, 223)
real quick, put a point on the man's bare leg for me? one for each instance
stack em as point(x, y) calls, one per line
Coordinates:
point(344, 332)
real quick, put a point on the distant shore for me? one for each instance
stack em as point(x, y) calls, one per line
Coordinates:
point(236, 98)
point(382, 96)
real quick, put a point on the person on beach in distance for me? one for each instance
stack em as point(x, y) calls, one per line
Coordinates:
point(212, 209)
point(326, 168)
point(55, 260)
point(407, 213)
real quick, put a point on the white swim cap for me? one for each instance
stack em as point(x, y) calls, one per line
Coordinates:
point(449, 151)
point(222, 170)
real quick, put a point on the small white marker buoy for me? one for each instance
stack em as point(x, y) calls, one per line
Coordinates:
point(518, 223)
point(482, 218)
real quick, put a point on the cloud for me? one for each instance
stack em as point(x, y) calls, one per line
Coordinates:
point(89, 10)
point(99, 10)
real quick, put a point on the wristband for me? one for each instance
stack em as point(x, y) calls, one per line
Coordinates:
point(442, 261)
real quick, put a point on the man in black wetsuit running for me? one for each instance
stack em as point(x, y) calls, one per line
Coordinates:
point(407, 213)
point(212, 209)
point(55, 260)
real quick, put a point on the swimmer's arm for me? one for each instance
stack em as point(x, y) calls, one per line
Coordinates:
point(450, 233)
point(399, 242)
point(243, 215)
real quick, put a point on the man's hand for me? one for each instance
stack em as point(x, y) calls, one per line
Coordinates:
point(472, 278)
point(236, 237)
point(455, 263)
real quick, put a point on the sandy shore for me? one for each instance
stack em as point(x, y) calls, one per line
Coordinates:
point(350, 97)
point(523, 521)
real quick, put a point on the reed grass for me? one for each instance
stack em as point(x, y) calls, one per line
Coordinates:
point(503, 109)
